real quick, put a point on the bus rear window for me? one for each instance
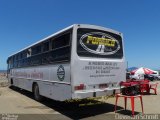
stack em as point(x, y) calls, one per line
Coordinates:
point(97, 43)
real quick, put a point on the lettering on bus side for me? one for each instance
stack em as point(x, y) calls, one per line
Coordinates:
point(99, 43)
point(61, 73)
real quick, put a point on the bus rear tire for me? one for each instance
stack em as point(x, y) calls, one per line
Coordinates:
point(37, 96)
point(11, 85)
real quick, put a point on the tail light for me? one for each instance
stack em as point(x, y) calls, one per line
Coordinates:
point(101, 86)
point(80, 87)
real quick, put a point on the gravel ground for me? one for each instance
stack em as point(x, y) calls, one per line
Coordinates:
point(15, 101)
point(3, 82)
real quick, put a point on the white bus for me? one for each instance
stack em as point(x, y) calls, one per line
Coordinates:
point(79, 61)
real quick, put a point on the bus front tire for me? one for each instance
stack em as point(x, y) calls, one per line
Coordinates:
point(37, 96)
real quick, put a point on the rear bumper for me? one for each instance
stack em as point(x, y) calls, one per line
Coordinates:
point(80, 94)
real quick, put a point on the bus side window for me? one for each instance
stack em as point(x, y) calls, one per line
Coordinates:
point(53, 44)
point(36, 50)
point(24, 54)
point(61, 41)
point(29, 52)
point(45, 47)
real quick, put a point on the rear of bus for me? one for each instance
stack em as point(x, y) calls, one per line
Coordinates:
point(97, 61)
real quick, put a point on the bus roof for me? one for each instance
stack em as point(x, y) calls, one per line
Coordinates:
point(65, 29)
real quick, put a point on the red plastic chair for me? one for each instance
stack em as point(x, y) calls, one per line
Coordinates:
point(144, 86)
point(132, 101)
point(153, 87)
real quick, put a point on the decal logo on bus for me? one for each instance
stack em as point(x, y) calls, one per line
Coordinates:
point(99, 43)
point(61, 73)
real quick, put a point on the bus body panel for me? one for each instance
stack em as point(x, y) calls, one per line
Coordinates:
point(93, 76)
point(53, 82)
point(97, 72)
point(94, 73)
